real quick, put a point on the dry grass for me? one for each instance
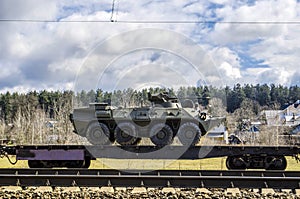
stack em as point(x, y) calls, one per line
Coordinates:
point(213, 163)
point(4, 163)
point(204, 164)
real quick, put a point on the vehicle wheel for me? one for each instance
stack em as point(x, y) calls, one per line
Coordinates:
point(125, 134)
point(98, 134)
point(188, 104)
point(189, 133)
point(161, 134)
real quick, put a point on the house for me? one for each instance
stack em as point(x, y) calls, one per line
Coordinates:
point(293, 109)
point(273, 117)
point(290, 116)
point(219, 133)
point(254, 127)
point(295, 130)
point(51, 124)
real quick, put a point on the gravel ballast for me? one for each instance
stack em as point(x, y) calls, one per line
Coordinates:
point(85, 192)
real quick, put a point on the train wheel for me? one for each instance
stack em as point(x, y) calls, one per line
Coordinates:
point(125, 134)
point(87, 163)
point(98, 134)
point(235, 162)
point(72, 164)
point(189, 133)
point(276, 163)
point(41, 163)
point(35, 164)
point(161, 134)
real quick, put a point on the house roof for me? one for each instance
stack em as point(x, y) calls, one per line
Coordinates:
point(271, 112)
point(289, 116)
point(295, 130)
point(293, 108)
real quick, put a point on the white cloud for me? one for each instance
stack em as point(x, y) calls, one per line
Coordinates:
point(8, 71)
point(230, 71)
point(38, 55)
point(274, 45)
point(27, 87)
point(276, 77)
point(166, 49)
point(260, 11)
point(228, 64)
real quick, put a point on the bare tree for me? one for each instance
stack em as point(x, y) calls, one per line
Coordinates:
point(217, 107)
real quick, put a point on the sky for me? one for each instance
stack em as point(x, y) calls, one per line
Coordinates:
point(75, 45)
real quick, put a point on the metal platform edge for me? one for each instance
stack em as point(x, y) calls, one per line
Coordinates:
point(154, 152)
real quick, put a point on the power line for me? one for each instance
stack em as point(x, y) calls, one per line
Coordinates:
point(52, 21)
point(152, 21)
point(211, 22)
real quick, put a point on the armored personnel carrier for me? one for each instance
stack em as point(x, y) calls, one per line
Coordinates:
point(161, 121)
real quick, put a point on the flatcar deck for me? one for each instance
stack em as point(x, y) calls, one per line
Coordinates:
point(154, 152)
point(181, 152)
point(238, 157)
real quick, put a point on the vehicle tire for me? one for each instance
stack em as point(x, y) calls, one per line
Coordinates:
point(98, 134)
point(188, 104)
point(161, 134)
point(189, 133)
point(125, 134)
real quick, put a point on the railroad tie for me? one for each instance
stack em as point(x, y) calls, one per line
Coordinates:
point(11, 188)
point(107, 189)
point(168, 190)
point(233, 192)
point(203, 190)
point(43, 189)
point(267, 191)
point(139, 190)
point(297, 191)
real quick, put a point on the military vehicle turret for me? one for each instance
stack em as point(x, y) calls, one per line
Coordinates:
point(161, 121)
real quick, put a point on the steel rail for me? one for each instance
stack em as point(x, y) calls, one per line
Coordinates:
point(162, 178)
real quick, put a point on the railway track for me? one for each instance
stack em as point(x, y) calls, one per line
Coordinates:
point(155, 179)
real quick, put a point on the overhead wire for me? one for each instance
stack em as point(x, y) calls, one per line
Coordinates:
point(151, 21)
point(114, 15)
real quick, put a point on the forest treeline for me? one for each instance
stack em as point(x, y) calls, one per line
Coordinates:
point(53, 102)
point(40, 117)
